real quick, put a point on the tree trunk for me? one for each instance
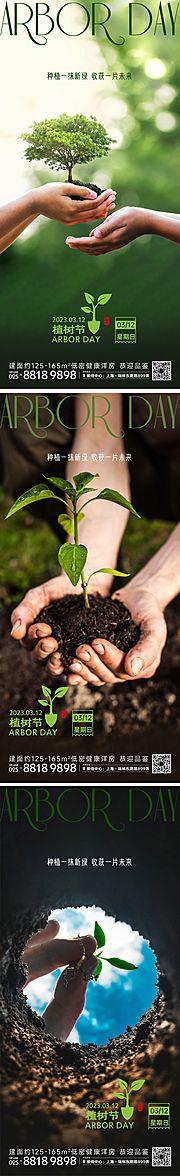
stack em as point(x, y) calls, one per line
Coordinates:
point(69, 173)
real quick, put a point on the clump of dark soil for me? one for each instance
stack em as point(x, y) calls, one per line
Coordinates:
point(72, 624)
point(93, 187)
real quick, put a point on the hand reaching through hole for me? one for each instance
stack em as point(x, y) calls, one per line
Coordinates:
point(43, 953)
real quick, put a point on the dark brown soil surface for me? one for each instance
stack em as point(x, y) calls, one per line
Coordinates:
point(72, 624)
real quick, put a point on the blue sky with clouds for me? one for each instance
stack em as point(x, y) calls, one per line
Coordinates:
point(118, 998)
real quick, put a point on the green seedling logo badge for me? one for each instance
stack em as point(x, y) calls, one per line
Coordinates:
point(94, 323)
point(51, 716)
point(128, 1111)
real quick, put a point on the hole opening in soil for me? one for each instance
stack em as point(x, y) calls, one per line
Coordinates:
point(120, 998)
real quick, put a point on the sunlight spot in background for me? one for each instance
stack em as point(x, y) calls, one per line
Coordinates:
point(119, 998)
point(165, 94)
point(165, 121)
point(101, 178)
point(154, 68)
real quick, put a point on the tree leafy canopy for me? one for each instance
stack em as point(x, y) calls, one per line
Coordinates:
point(62, 142)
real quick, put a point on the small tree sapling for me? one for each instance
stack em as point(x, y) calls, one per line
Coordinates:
point(124, 965)
point(62, 142)
point(72, 557)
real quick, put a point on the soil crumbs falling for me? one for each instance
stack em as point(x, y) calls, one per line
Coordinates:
point(72, 624)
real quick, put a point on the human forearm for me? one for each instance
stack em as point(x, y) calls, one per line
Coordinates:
point(15, 217)
point(162, 573)
point(10, 237)
point(103, 526)
point(162, 224)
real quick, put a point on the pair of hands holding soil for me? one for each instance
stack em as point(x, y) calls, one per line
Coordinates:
point(56, 202)
point(42, 954)
point(102, 662)
point(120, 227)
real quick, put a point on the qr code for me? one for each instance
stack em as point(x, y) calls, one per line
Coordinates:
point(161, 1157)
point(162, 370)
point(161, 763)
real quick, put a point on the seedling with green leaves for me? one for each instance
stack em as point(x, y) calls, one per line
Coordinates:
point(72, 557)
point(50, 717)
point(128, 1110)
point(93, 323)
point(100, 937)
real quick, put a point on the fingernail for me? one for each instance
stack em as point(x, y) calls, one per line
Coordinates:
point(136, 665)
point(86, 655)
point(97, 233)
point(99, 648)
point(76, 666)
point(16, 626)
point(39, 631)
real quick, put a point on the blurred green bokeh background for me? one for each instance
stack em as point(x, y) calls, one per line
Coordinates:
point(40, 277)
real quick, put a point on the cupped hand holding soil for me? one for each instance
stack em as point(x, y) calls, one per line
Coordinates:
point(105, 662)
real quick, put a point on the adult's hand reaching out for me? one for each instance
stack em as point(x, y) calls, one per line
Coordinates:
point(125, 225)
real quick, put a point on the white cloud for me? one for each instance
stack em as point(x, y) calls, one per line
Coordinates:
point(74, 1036)
point(39, 992)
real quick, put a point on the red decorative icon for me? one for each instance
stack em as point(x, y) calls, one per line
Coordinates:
point(107, 320)
point(63, 714)
point(140, 1106)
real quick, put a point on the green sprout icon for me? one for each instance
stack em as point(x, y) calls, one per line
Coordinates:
point(113, 960)
point(128, 1110)
point(93, 323)
point(50, 717)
